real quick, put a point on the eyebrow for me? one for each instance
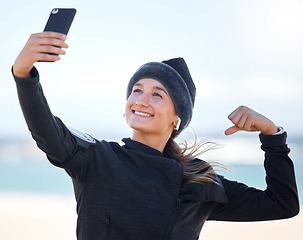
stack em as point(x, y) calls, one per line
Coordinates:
point(155, 87)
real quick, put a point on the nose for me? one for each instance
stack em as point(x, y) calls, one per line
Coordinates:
point(142, 100)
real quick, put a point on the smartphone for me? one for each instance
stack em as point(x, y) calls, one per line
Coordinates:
point(60, 20)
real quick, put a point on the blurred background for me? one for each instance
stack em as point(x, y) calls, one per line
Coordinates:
point(239, 53)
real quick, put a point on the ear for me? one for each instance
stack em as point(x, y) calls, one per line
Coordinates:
point(177, 124)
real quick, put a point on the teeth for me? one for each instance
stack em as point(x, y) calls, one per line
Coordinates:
point(143, 114)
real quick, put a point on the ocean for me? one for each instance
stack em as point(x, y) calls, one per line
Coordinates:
point(23, 168)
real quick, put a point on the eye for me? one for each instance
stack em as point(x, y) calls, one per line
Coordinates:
point(137, 90)
point(157, 95)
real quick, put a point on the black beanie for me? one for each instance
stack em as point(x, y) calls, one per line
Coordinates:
point(174, 75)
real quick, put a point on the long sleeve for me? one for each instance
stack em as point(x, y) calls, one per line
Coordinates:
point(278, 201)
point(50, 134)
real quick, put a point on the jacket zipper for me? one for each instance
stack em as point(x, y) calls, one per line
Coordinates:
point(172, 219)
point(108, 228)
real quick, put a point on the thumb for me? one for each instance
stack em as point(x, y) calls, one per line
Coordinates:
point(232, 130)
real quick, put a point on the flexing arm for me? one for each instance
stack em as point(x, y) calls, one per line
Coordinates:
point(280, 199)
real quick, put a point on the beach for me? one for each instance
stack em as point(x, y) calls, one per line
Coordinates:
point(37, 216)
point(270, 230)
point(53, 216)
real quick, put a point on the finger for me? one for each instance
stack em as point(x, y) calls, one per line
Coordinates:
point(235, 117)
point(49, 41)
point(233, 114)
point(249, 125)
point(54, 42)
point(47, 57)
point(49, 35)
point(243, 120)
point(238, 114)
point(49, 49)
point(48, 38)
point(232, 130)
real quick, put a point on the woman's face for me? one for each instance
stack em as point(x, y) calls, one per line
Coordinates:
point(149, 108)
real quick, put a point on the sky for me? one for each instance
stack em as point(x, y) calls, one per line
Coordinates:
point(238, 52)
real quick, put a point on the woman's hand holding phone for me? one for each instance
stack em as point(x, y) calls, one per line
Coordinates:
point(46, 46)
point(37, 49)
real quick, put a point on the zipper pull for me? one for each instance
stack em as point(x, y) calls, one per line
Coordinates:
point(107, 220)
point(179, 203)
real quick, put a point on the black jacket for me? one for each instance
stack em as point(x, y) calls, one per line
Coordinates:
point(134, 192)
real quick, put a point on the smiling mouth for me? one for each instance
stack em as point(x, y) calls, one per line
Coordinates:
point(142, 114)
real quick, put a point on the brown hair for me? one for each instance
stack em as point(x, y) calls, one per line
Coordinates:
point(195, 170)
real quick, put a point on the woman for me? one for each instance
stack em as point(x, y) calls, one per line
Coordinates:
point(149, 188)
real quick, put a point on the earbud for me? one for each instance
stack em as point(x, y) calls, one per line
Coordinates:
point(178, 124)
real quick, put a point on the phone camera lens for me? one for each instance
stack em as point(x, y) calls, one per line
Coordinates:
point(55, 11)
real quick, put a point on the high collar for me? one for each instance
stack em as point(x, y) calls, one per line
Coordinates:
point(204, 192)
point(138, 146)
